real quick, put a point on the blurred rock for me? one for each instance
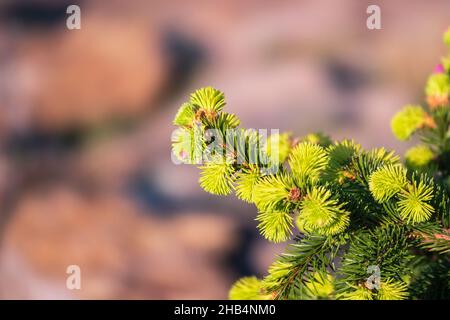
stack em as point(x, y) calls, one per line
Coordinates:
point(110, 69)
point(121, 253)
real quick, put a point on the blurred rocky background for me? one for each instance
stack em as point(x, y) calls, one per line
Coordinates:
point(86, 176)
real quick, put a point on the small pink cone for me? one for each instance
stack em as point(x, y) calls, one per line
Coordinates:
point(439, 68)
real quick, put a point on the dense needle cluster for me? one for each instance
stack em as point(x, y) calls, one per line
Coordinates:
point(345, 211)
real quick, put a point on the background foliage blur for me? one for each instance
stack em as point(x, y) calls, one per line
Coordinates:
point(86, 176)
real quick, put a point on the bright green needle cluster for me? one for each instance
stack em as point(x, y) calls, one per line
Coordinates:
point(421, 158)
point(408, 121)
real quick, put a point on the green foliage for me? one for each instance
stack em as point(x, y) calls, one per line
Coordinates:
point(320, 286)
point(246, 181)
point(437, 85)
point(185, 115)
point(387, 181)
point(279, 145)
point(275, 226)
point(445, 61)
point(272, 192)
point(392, 290)
point(291, 275)
point(344, 210)
point(217, 176)
point(408, 121)
point(182, 144)
point(414, 202)
point(318, 138)
point(321, 214)
point(208, 99)
point(307, 160)
point(248, 288)
point(420, 158)
point(357, 293)
point(223, 121)
point(432, 280)
point(389, 290)
point(187, 144)
point(340, 156)
point(386, 247)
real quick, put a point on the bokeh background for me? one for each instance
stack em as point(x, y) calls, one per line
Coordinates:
point(86, 176)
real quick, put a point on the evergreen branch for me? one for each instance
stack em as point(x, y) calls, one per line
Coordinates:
point(288, 275)
point(356, 209)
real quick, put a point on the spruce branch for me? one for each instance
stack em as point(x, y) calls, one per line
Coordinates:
point(344, 209)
